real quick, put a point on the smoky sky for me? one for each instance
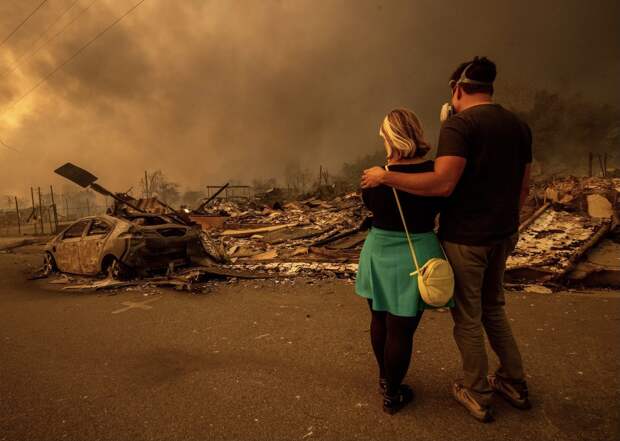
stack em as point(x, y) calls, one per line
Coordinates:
point(210, 91)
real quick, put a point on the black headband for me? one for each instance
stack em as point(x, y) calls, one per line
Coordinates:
point(464, 80)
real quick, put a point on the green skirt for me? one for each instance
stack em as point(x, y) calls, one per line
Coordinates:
point(384, 268)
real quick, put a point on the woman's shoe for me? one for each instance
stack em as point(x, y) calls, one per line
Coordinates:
point(392, 404)
point(382, 385)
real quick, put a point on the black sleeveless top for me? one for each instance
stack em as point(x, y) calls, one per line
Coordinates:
point(420, 211)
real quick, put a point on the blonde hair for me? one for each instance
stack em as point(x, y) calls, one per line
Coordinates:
point(403, 135)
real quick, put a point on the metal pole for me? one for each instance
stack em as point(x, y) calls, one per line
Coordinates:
point(19, 223)
point(49, 218)
point(41, 211)
point(146, 184)
point(33, 210)
point(54, 208)
point(209, 197)
point(600, 163)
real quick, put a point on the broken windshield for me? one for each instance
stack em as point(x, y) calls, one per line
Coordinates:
point(148, 221)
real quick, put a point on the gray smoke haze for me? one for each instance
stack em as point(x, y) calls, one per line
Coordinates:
point(215, 90)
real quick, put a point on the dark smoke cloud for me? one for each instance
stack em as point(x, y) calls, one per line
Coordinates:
point(216, 90)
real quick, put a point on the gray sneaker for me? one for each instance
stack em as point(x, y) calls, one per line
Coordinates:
point(477, 410)
point(515, 393)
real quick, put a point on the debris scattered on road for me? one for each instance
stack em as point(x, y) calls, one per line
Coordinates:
point(537, 289)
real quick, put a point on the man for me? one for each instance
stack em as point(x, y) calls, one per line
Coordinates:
point(482, 168)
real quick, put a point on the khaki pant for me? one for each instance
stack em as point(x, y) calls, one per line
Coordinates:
point(479, 299)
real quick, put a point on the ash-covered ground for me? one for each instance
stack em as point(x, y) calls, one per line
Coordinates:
point(278, 361)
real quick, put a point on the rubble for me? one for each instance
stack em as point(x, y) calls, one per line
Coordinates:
point(574, 216)
point(599, 267)
point(537, 289)
point(599, 206)
point(301, 228)
point(562, 224)
point(254, 231)
point(314, 269)
point(324, 237)
point(549, 246)
point(572, 192)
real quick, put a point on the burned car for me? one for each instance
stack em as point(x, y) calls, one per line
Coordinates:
point(121, 246)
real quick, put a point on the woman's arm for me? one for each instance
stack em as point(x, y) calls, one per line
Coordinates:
point(440, 182)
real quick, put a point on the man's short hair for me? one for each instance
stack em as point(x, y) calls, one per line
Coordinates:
point(481, 69)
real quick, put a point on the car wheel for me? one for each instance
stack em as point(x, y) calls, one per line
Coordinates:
point(49, 264)
point(117, 270)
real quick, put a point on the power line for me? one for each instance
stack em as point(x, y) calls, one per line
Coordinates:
point(56, 35)
point(72, 57)
point(8, 146)
point(41, 35)
point(22, 23)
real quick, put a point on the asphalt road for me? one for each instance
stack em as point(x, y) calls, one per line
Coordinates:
point(260, 361)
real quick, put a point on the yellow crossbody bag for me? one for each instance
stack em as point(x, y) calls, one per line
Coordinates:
point(435, 278)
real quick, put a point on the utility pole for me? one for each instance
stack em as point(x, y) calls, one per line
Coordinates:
point(19, 223)
point(49, 218)
point(41, 211)
point(34, 212)
point(54, 209)
point(146, 185)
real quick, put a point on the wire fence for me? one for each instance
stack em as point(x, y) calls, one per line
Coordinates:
point(47, 213)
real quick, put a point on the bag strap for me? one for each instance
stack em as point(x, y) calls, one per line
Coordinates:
point(409, 241)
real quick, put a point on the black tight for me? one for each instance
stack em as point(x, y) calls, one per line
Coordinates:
point(392, 340)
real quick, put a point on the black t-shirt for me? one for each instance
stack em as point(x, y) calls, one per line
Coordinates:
point(419, 211)
point(484, 206)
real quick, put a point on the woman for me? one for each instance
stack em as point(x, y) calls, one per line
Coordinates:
point(386, 262)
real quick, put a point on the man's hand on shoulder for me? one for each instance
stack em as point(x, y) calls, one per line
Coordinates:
point(373, 177)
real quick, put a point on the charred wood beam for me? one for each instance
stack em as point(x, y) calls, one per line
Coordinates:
point(335, 236)
point(205, 203)
point(534, 216)
point(583, 249)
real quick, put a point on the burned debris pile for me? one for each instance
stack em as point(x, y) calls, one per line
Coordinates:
point(566, 223)
point(309, 237)
point(568, 235)
point(572, 235)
